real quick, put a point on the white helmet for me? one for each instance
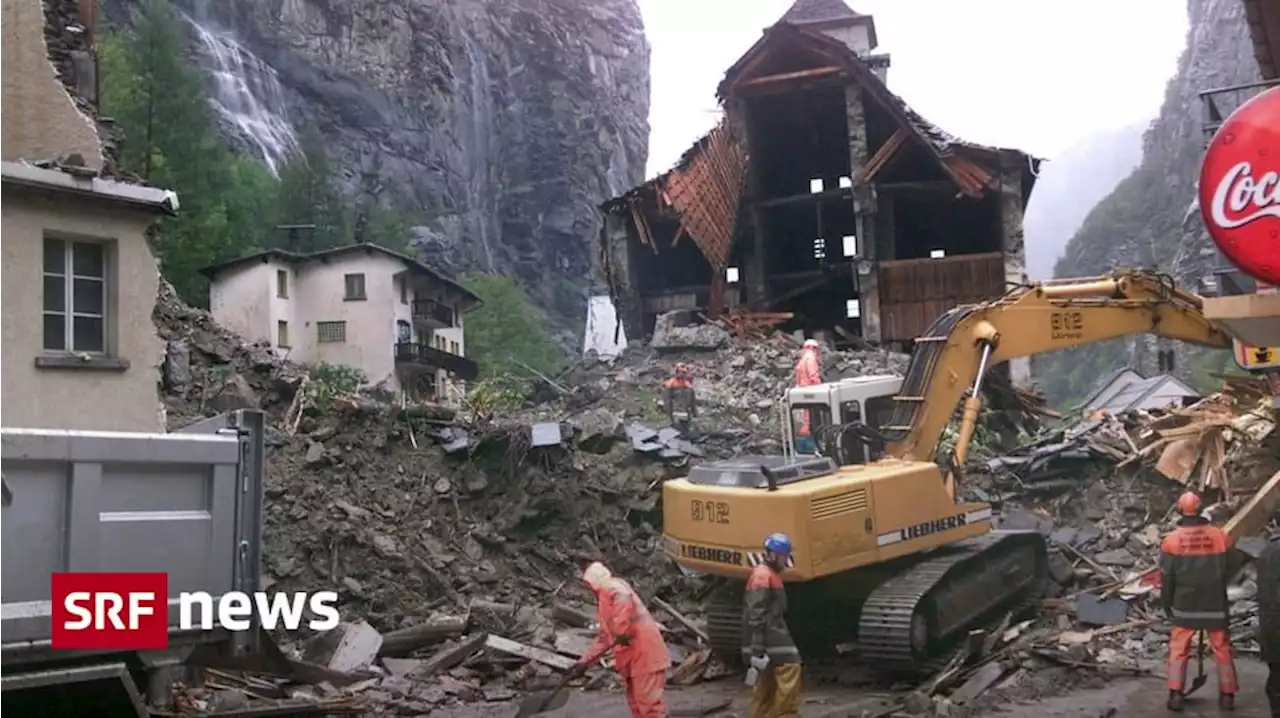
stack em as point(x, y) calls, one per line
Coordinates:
point(811, 344)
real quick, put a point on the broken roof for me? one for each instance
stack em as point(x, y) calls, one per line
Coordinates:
point(86, 183)
point(291, 257)
point(941, 143)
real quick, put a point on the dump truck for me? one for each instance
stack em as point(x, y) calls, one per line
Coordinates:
point(188, 503)
point(885, 559)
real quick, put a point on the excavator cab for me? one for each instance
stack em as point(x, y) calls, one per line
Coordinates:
point(842, 417)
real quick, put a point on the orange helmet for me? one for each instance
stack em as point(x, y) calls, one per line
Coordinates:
point(1189, 504)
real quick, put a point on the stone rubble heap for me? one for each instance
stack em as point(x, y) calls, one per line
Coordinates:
point(455, 541)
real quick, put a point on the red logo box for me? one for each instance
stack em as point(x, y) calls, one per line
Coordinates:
point(110, 611)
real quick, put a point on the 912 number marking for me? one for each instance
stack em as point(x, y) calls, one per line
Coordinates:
point(716, 512)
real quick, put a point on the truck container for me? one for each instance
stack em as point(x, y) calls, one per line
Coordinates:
point(186, 503)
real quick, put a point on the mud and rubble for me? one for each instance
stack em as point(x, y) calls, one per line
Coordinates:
point(455, 536)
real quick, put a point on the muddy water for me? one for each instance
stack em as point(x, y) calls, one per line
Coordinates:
point(1136, 697)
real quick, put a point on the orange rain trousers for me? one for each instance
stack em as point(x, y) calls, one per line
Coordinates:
point(646, 694)
point(1181, 642)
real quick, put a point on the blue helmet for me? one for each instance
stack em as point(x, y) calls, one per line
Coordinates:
point(778, 543)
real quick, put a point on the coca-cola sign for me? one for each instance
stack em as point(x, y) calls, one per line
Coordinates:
point(1240, 187)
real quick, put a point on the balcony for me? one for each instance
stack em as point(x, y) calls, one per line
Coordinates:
point(429, 357)
point(431, 314)
point(1218, 103)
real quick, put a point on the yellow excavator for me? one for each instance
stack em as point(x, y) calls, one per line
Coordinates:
point(885, 559)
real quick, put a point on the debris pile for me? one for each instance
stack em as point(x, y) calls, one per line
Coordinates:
point(1102, 490)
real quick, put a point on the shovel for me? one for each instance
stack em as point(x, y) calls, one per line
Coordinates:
point(544, 701)
point(536, 703)
point(1201, 678)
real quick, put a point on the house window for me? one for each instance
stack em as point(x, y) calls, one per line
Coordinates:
point(331, 332)
point(453, 348)
point(282, 334)
point(439, 342)
point(404, 291)
point(404, 334)
point(852, 308)
point(354, 286)
point(282, 284)
point(75, 296)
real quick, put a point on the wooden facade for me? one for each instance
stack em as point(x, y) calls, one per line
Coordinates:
point(915, 292)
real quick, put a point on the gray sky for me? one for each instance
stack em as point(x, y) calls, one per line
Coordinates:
point(1030, 74)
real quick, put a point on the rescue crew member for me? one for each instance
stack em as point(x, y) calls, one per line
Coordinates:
point(777, 691)
point(639, 653)
point(677, 394)
point(808, 373)
point(1193, 593)
point(1269, 617)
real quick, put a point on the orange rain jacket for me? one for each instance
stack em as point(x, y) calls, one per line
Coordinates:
point(619, 611)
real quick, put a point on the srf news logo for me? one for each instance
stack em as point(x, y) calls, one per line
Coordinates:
point(130, 611)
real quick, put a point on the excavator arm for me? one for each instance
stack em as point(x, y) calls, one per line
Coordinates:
point(949, 362)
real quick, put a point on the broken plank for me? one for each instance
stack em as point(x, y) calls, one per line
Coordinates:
point(450, 656)
point(572, 615)
point(679, 617)
point(532, 653)
point(978, 682)
point(398, 644)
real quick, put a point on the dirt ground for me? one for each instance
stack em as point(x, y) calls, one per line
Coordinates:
point(1126, 697)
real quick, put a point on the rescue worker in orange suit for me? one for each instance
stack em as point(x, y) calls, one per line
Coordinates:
point(1193, 593)
point(639, 653)
point(808, 373)
point(677, 394)
point(1269, 617)
point(768, 645)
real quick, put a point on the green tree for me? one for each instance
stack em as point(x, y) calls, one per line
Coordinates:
point(309, 194)
point(506, 331)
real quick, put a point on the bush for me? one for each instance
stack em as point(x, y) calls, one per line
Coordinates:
point(329, 381)
point(506, 332)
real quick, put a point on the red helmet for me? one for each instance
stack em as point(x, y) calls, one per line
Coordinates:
point(1189, 504)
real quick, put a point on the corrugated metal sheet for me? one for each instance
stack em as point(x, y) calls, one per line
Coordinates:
point(914, 292)
point(705, 193)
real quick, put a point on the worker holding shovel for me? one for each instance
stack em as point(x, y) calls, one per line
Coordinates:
point(639, 653)
point(1193, 593)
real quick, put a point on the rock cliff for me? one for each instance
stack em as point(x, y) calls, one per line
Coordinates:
point(1150, 219)
point(498, 124)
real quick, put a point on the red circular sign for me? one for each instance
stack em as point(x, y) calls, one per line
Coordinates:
point(1240, 187)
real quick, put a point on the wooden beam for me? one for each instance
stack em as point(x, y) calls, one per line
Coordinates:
point(876, 162)
point(784, 77)
point(925, 186)
point(806, 198)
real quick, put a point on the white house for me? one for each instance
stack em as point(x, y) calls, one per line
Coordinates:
point(364, 306)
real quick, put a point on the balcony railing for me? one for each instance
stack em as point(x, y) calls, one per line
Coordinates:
point(430, 357)
point(433, 314)
point(1218, 103)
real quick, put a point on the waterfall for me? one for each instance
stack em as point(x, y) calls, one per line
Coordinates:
point(247, 93)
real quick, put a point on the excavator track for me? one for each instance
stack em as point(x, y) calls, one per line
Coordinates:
point(915, 620)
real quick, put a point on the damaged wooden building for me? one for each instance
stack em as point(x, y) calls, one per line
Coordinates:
point(820, 194)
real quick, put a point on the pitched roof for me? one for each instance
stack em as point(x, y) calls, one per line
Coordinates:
point(806, 11)
point(292, 257)
point(941, 143)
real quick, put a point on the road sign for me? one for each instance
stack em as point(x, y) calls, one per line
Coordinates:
point(1256, 358)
